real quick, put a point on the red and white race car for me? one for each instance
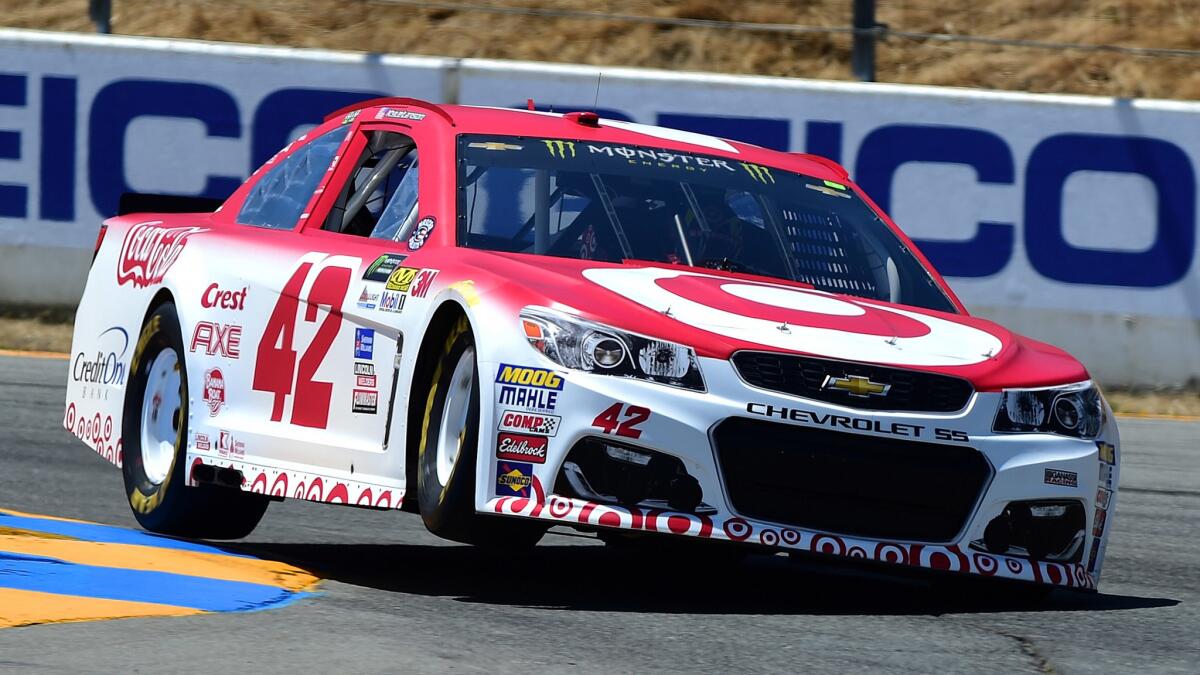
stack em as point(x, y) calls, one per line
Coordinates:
point(507, 320)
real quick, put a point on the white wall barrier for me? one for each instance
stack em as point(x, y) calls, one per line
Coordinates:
point(1071, 219)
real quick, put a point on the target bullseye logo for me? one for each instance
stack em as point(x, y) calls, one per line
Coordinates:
point(802, 320)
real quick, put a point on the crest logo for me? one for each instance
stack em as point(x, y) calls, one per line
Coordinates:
point(149, 250)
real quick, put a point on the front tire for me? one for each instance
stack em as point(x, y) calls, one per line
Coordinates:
point(155, 436)
point(448, 452)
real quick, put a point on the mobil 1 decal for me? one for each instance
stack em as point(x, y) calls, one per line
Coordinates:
point(528, 388)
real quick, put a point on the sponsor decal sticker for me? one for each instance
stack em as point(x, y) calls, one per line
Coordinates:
point(1107, 452)
point(1098, 525)
point(350, 116)
point(758, 173)
point(514, 479)
point(1092, 559)
point(364, 375)
point(383, 266)
point(401, 278)
point(494, 145)
point(202, 442)
point(107, 367)
point(522, 447)
point(1103, 497)
point(534, 423)
point(228, 446)
point(366, 401)
point(530, 399)
point(560, 149)
point(214, 390)
point(1106, 471)
point(421, 234)
point(526, 376)
point(663, 159)
point(217, 339)
point(422, 283)
point(216, 297)
point(364, 343)
point(393, 114)
point(149, 250)
point(367, 299)
point(1060, 477)
point(392, 301)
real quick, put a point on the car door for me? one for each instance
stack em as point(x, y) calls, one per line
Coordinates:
point(323, 339)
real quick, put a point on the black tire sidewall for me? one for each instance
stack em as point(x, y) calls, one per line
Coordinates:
point(150, 503)
point(449, 508)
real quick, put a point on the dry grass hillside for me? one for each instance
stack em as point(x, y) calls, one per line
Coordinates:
point(376, 25)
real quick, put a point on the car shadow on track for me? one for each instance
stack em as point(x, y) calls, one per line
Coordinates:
point(592, 578)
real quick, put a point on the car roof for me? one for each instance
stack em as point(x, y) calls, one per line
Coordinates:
point(470, 119)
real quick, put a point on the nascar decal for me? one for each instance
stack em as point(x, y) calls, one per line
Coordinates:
point(383, 267)
point(513, 479)
point(149, 250)
point(534, 423)
point(799, 319)
point(523, 447)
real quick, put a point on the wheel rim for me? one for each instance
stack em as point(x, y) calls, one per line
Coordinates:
point(455, 410)
point(161, 405)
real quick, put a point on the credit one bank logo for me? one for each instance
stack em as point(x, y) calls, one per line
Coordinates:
point(52, 104)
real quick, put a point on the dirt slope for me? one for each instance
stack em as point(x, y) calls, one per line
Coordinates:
point(380, 27)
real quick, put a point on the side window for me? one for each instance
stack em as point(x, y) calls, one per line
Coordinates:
point(380, 198)
point(280, 196)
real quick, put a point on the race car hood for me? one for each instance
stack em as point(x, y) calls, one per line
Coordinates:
point(719, 313)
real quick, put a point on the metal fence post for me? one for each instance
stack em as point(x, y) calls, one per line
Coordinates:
point(100, 12)
point(862, 58)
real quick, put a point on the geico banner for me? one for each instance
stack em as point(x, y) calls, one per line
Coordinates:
point(1072, 219)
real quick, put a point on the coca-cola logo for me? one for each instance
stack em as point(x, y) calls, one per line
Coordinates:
point(522, 447)
point(149, 250)
point(214, 391)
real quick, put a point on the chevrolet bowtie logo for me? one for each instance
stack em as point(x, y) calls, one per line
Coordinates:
point(856, 385)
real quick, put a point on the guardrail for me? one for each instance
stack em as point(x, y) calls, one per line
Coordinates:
point(1072, 219)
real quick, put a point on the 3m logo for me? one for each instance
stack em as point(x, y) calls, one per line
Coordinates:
point(759, 173)
point(423, 282)
point(560, 148)
point(149, 250)
point(529, 377)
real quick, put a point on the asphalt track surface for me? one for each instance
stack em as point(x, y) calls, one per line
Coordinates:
point(396, 599)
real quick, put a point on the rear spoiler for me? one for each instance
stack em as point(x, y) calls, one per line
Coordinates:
point(137, 202)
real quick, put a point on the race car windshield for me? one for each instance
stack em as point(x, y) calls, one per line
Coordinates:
point(610, 202)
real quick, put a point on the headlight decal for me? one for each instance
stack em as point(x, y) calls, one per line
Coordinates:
point(579, 344)
point(1074, 410)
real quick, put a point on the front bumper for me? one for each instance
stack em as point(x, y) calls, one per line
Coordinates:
point(958, 474)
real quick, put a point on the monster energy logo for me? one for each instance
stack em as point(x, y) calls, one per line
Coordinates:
point(560, 148)
point(760, 174)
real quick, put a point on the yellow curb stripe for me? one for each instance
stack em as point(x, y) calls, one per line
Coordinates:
point(171, 561)
point(29, 608)
point(23, 514)
point(1159, 416)
point(60, 356)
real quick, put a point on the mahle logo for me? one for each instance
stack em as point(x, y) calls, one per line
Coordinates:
point(560, 148)
point(759, 173)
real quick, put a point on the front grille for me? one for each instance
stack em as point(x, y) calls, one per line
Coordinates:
point(846, 483)
point(803, 376)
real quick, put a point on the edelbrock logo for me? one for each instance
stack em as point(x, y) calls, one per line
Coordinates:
point(108, 367)
point(149, 250)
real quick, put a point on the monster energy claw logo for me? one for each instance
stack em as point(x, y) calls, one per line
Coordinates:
point(760, 174)
point(560, 148)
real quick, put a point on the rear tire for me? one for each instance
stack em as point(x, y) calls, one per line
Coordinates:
point(448, 450)
point(155, 435)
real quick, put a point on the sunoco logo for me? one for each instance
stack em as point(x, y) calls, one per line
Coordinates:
point(149, 250)
point(108, 366)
